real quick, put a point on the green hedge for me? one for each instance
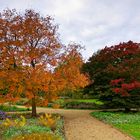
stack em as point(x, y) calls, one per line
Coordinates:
point(8, 108)
point(80, 105)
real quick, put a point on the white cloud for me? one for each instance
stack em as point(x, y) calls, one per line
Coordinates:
point(93, 23)
point(64, 8)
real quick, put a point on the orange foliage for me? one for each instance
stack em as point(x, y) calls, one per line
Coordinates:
point(68, 72)
point(28, 47)
point(29, 52)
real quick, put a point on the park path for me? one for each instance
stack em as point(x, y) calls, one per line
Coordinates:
point(79, 125)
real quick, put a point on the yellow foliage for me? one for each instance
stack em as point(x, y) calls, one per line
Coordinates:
point(17, 122)
point(8, 123)
point(48, 120)
point(56, 106)
point(20, 89)
point(37, 136)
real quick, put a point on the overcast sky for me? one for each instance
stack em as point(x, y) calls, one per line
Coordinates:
point(92, 23)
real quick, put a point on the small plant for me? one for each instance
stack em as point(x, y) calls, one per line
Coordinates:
point(21, 122)
point(47, 127)
point(9, 108)
point(17, 122)
point(27, 129)
point(48, 120)
point(56, 106)
point(37, 136)
point(2, 115)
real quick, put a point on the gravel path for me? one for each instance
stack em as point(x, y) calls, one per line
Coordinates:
point(79, 125)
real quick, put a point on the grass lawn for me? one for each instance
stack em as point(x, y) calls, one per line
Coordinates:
point(126, 122)
point(63, 103)
point(79, 103)
point(89, 101)
point(8, 108)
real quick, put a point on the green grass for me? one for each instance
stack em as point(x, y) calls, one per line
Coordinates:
point(96, 101)
point(32, 126)
point(126, 122)
point(89, 101)
point(77, 103)
point(8, 108)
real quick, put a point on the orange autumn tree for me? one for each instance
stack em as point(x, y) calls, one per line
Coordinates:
point(10, 56)
point(29, 50)
point(68, 73)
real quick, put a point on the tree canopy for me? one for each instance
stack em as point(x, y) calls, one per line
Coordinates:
point(114, 71)
point(30, 51)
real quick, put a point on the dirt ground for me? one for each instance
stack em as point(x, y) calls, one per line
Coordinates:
point(79, 125)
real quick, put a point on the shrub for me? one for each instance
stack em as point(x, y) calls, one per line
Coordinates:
point(17, 128)
point(114, 71)
point(59, 103)
point(60, 128)
point(7, 108)
point(48, 120)
point(22, 101)
point(81, 105)
point(26, 129)
point(37, 136)
point(56, 106)
point(17, 122)
point(2, 115)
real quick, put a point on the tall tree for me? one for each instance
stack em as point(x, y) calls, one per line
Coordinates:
point(68, 72)
point(117, 64)
point(29, 49)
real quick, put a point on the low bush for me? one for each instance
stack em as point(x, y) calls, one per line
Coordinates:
point(59, 131)
point(17, 127)
point(19, 122)
point(48, 120)
point(97, 102)
point(22, 101)
point(77, 103)
point(60, 103)
point(2, 115)
point(38, 136)
point(81, 105)
point(11, 108)
point(25, 130)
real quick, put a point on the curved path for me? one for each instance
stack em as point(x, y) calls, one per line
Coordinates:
point(79, 125)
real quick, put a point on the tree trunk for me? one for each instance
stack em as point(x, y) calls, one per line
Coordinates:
point(33, 99)
point(34, 107)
